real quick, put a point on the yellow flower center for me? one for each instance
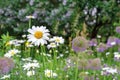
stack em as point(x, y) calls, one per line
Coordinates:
point(38, 34)
point(27, 43)
point(12, 52)
point(57, 40)
point(48, 74)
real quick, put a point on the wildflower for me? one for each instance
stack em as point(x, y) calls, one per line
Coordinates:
point(15, 42)
point(57, 40)
point(93, 42)
point(94, 64)
point(101, 47)
point(50, 73)
point(28, 44)
point(30, 17)
point(23, 36)
point(117, 41)
point(111, 41)
point(38, 35)
point(5, 77)
point(30, 73)
point(107, 53)
point(98, 36)
point(79, 44)
point(116, 56)
point(27, 59)
point(118, 29)
point(11, 53)
point(108, 70)
point(6, 64)
point(89, 52)
point(32, 65)
point(51, 45)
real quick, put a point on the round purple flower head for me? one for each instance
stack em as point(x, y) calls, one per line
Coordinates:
point(118, 29)
point(79, 44)
point(6, 64)
point(101, 47)
point(93, 42)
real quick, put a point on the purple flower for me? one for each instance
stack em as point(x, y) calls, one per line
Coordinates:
point(118, 49)
point(93, 42)
point(118, 41)
point(111, 41)
point(79, 44)
point(94, 64)
point(89, 78)
point(6, 64)
point(89, 52)
point(118, 29)
point(101, 47)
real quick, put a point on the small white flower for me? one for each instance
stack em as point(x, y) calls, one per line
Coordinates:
point(31, 65)
point(5, 77)
point(57, 40)
point(51, 45)
point(113, 43)
point(48, 55)
point(116, 53)
point(61, 55)
point(50, 73)
point(117, 56)
point(98, 36)
point(107, 53)
point(30, 17)
point(15, 42)
point(110, 70)
point(38, 35)
point(30, 73)
point(11, 53)
point(23, 36)
point(27, 59)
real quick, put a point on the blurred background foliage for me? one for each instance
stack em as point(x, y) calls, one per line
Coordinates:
point(62, 17)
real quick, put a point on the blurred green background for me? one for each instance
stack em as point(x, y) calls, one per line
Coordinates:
point(62, 17)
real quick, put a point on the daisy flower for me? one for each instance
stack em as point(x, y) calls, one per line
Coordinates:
point(51, 45)
point(30, 17)
point(5, 77)
point(33, 65)
point(57, 40)
point(50, 73)
point(30, 73)
point(38, 35)
point(11, 53)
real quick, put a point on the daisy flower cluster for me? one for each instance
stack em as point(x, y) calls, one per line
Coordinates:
point(30, 66)
point(39, 35)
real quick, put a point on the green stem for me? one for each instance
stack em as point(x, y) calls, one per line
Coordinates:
point(43, 58)
point(55, 58)
point(76, 70)
point(30, 20)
